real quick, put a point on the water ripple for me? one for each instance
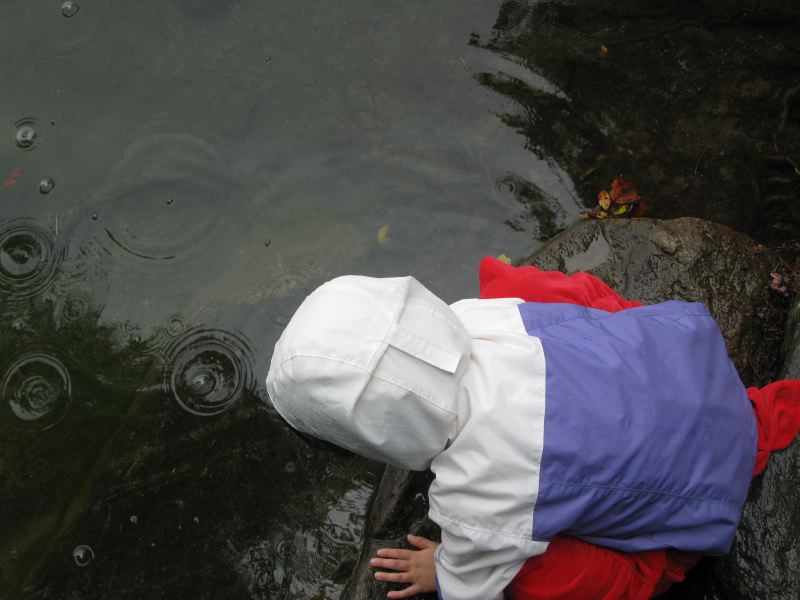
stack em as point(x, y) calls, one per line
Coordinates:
point(69, 9)
point(36, 391)
point(170, 213)
point(27, 134)
point(208, 370)
point(29, 262)
point(141, 226)
point(83, 555)
point(72, 308)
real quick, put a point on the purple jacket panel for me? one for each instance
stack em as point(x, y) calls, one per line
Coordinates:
point(649, 437)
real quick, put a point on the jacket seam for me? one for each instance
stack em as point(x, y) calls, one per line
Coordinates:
point(526, 537)
point(325, 356)
point(585, 317)
point(732, 505)
point(366, 371)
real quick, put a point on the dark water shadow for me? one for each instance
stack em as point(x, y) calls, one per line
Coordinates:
point(697, 102)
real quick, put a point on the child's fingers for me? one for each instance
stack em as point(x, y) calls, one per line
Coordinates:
point(389, 563)
point(391, 577)
point(399, 553)
point(420, 542)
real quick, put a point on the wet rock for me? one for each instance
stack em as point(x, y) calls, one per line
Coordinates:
point(652, 261)
point(763, 562)
point(684, 259)
point(400, 506)
point(696, 260)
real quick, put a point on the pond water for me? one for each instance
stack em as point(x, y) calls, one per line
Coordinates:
point(178, 174)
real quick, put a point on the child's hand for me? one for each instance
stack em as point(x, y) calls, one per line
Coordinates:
point(415, 567)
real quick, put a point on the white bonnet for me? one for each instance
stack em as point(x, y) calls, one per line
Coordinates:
point(372, 365)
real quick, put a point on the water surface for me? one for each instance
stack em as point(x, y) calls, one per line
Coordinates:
point(177, 176)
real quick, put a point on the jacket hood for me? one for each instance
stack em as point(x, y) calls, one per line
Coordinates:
point(372, 365)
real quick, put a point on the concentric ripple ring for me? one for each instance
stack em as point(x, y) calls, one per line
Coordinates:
point(28, 261)
point(37, 391)
point(208, 370)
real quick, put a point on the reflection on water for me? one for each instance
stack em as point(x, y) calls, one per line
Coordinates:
point(66, 383)
point(283, 567)
point(696, 102)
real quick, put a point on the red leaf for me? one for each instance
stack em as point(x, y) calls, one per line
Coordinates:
point(623, 192)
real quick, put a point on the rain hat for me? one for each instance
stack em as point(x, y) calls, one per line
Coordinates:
point(372, 365)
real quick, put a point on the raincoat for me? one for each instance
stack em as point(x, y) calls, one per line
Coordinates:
point(630, 430)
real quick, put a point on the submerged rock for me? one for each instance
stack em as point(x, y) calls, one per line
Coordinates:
point(652, 261)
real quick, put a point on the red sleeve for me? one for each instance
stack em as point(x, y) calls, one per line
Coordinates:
point(777, 410)
point(499, 280)
point(576, 570)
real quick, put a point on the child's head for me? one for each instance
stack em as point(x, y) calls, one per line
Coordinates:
point(372, 365)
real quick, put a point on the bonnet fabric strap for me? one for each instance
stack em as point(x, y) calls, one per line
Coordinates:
point(423, 349)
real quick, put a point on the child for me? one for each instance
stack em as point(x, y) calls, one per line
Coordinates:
point(618, 433)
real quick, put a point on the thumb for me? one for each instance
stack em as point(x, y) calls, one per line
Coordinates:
point(420, 542)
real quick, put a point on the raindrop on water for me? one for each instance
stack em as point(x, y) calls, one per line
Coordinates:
point(28, 262)
point(18, 324)
point(21, 254)
point(82, 555)
point(284, 549)
point(37, 390)
point(175, 327)
point(73, 308)
point(507, 186)
point(290, 467)
point(70, 9)
point(208, 371)
point(26, 134)
point(134, 519)
point(204, 381)
point(46, 185)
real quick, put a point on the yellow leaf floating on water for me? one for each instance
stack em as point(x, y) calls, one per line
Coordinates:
point(504, 258)
point(383, 233)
